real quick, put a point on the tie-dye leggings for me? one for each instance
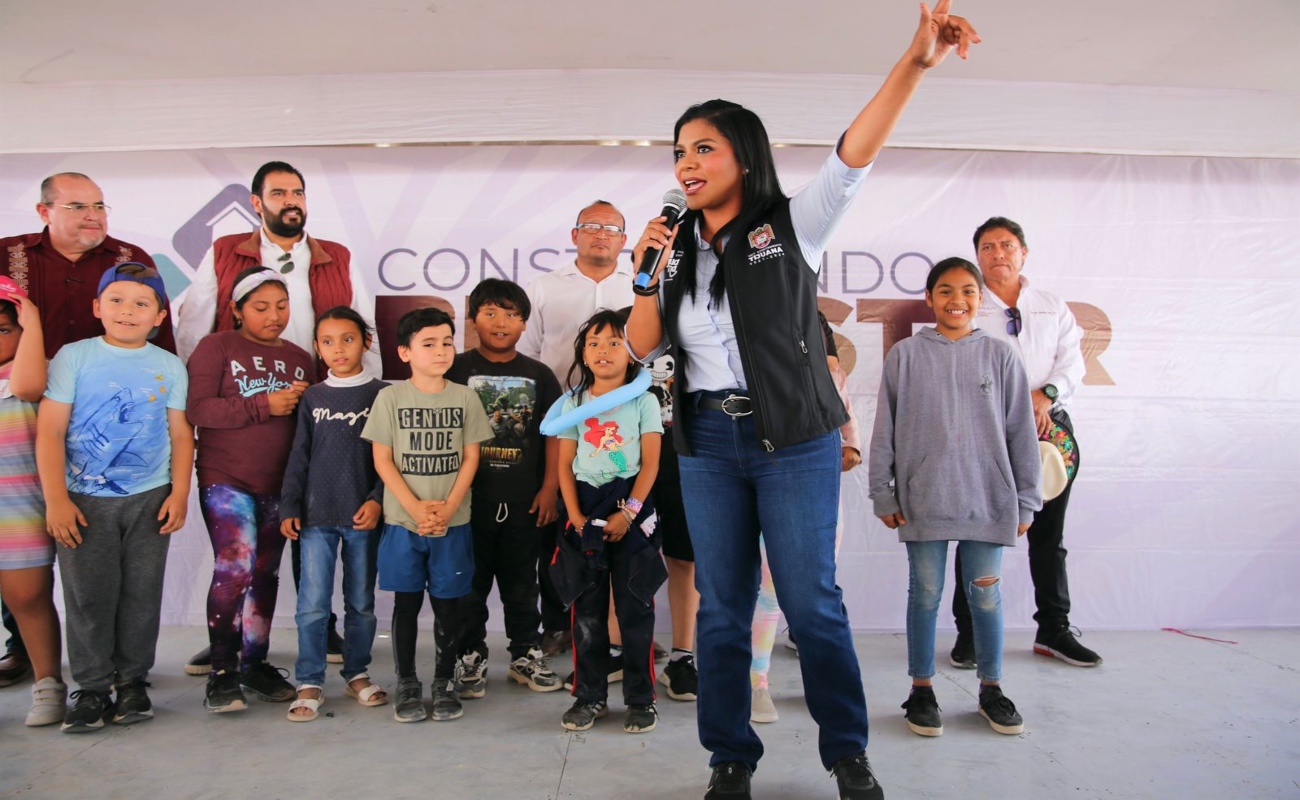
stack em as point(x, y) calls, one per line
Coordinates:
point(767, 616)
point(246, 547)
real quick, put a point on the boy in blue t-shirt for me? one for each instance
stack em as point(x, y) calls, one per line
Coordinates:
point(115, 454)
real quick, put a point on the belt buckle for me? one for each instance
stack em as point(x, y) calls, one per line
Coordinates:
point(740, 398)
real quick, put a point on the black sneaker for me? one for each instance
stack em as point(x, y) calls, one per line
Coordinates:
point(200, 663)
point(267, 682)
point(730, 781)
point(616, 668)
point(923, 712)
point(1061, 643)
point(89, 711)
point(446, 703)
point(583, 714)
point(963, 651)
point(681, 678)
point(532, 671)
point(334, 647)
point(660, 653)
point(471, 676)
point(1001, 713)
point(133, 703)
point(409, 706)
point(855, 779)
point(640, 718)
point(223, 693)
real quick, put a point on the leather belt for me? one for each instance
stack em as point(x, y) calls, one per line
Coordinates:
point(733, 405)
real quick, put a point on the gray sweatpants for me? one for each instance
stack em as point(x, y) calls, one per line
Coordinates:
point(112, 588)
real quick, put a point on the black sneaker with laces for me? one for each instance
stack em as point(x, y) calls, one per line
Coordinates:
point(730, 781)
point(963, 651)
point(583, 714)
point(446, 701)
point(615, 672)
point(640, 718)
point(856, 780)
point(409, 706)
point(223, 693)
point(334, 647)
point(267, 682)
point(133, 704)
point(1060, 642)
point(200, 663)
point(1001, 713)
point(681, 678)
point(89, 711)
point(923, 712)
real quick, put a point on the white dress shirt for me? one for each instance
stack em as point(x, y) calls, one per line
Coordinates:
point(1049, 344)
point(563, 300)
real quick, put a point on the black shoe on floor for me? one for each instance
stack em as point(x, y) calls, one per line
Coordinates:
point(334, 647)
point(446, 701)
point(1060, 642)
point(267, 682)
point(133, 704)
point(1001, 713)
point(90, 709)
point(856, 780)
point(223, 693)
point(14, 666)
point(660, 653)
point(640, 718)
point(681, 678)
point(200, 663)
point(923, 712)
point(409, 706)
point(583, 714)
point(730, 781)
point(556, 642)
point(963, 651)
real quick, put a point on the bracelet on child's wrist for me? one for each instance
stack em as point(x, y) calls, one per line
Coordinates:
point(632, 504)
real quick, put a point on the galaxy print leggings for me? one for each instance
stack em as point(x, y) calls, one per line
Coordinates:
point(246, 546)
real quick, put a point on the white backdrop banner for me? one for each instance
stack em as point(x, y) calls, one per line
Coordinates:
point(1184, 271)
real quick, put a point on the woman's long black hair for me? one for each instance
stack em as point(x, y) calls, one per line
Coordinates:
point(760, 187)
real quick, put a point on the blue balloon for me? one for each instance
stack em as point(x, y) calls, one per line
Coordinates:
point(556, 421)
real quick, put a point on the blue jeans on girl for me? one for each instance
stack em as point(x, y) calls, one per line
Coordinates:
point(734, 489)
point(320, 547)
point(926, 564)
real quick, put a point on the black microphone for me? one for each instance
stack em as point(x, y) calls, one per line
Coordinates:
point(674, 207)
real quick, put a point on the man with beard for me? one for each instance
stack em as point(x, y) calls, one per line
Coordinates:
point(59, 269)
point(319, 276)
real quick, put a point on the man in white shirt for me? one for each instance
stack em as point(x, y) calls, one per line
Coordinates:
point(319, 275)
point(1041, 329)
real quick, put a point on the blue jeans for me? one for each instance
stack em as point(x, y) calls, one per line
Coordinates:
point(320, 548)
point(734, 489)
point(926, 563)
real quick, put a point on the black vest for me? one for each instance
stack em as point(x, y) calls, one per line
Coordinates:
point(772, 294)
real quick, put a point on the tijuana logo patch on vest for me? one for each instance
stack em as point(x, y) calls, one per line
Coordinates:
point(673, 262)
point(764, 243)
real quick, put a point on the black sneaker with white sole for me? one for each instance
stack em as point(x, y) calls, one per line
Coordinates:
point(1061, 642)
point(963, 651)
point(923, 712)
point(223, 693)
point(855, 779)
point(532, 671)
point(640, 718)
point(90, 709)
point(409, 705)
point(1001, 713)
point(446, 702)
point(583, 714)
point(730, 781)
point(269, 683)
point(200, 663)
point(681, 678)
point(133, 704)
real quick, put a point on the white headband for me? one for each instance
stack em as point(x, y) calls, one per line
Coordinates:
point(247, 285)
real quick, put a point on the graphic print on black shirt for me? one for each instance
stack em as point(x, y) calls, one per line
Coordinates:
point(511, 405)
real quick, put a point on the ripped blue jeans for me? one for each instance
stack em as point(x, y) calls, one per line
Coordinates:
point(927, 563)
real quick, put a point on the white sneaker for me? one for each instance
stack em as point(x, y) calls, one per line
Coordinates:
point(761, 708)
point(49, 702)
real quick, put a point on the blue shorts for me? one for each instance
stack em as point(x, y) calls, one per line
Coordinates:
point(444, 565)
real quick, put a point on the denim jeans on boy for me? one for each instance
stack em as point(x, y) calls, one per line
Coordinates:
point(734, 489)
point(926, 564)
point(320, 548)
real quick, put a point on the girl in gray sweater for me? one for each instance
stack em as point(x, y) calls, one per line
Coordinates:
point(954, 456)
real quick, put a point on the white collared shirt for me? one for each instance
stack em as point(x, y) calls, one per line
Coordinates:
point(1049, 344)
point(563, 300)
point(708, 334)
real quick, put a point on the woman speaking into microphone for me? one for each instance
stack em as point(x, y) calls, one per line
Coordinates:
point(756, 415)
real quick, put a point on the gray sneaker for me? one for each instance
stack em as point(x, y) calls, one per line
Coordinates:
point(446, 703)
point(532, 671)
point(409, 705)
point(471, 676)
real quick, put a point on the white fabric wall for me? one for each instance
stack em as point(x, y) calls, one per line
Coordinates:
point(1184, 514)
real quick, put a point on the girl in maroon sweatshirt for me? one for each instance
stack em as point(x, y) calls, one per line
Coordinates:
point(244, 390)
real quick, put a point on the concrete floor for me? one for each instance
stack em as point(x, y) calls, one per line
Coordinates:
point(1167, 716)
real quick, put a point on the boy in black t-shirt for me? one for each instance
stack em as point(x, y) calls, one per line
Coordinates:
point(515, 488)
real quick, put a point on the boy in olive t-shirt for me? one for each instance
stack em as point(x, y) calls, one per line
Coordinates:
point(426, 434)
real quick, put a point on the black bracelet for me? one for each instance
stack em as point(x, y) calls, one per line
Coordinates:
point(647, 291)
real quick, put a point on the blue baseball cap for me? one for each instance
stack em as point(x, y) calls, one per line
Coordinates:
point(135, 272)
